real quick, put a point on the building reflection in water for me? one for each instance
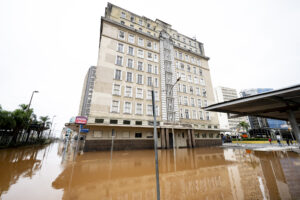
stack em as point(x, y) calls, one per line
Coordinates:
point(202, 173)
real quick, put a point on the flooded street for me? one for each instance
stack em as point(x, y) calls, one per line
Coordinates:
point(204, 173)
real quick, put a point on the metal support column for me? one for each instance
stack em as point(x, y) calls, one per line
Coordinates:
point(294, 125)
point(167, 138)
point(163, 138)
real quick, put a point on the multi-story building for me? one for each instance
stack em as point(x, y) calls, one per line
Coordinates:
point(259, 122)
point(226, 94)
point(137, 54)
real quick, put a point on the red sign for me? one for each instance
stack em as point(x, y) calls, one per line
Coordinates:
point(80, 120)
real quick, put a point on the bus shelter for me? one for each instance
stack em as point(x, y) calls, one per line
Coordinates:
point(282, 104)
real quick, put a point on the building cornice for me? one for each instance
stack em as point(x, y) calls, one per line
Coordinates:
point(127, 27)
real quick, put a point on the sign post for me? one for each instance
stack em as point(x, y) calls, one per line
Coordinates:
point(81, 120)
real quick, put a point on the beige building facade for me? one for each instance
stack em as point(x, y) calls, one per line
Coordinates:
point(136, 55)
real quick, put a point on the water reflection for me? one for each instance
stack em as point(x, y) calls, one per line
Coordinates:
point(203, 173)
point(15, 163)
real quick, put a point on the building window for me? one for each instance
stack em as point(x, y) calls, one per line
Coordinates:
point(131, 25)
point(199, 103)
point(130, 63)
point(192, 102)
point(127, 107)
point(155, 46)
point(149, 94)
point(182, 66)
point(132, 18)
point(119, 60)
point(123, 15)
point(141, 22)
point(202, 82)
point(180, 55)
point(149, 110)
point(156, 95)
point(140, 66)
point(201, 117)
point(204, 92)
point(211, 135)
point(149, 69)
point(140, 53)
point(139, 93)
point(118, 74)
point(120, 48)
point(149, 44)
point(141, 42)
point(138, 123)
point(196, 80)
point(138, 135)
point(126, 122)
point(131, 38)
point(115, 106)
point(188, 68)
point(129, 77)
point(200, 72)
point(205, 103)
point(184, 88)
point(99, 121)
point(130, 51)
point(185, 101)
point(122, 22)
point(149, 81)
point(181, 113)
point(195, 71)
point(155, 57)
point(117, 90)
point(203, 135)
point(156, 82)
point(121, 35)
point(190, 78)
point(139, 109)
point(194, 114)
point(128, 91)
point(187, 114)
point(156, 70)
point(191, 89)
point(149, 56)
point(207, 116)
point(139, 79)
point(186, 57)
point(140, 29)
point(198, 91)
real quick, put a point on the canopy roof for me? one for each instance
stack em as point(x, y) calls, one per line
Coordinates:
point(273, 104)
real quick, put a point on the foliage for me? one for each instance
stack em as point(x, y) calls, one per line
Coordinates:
point(16, 124)
point(244, 125)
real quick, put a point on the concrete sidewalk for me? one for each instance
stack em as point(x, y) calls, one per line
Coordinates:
point(264, 147)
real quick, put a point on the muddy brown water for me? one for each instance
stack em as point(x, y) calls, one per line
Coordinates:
point(204, 173)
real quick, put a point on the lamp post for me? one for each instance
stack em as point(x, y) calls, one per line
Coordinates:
point(51, 125)
point(155, 146)
point(31, 98)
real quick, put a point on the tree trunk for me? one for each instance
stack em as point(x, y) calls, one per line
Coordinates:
point(28, 134)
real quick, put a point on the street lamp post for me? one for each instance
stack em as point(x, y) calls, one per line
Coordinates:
point(31, 98)
point(155, 146)
point(51, 125)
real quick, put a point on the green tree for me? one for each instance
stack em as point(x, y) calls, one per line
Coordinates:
point(7, 122)
point(21, 117)
point(244, 125)
point(44, 124)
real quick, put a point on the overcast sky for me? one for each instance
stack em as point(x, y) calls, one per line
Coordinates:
point(48, 45)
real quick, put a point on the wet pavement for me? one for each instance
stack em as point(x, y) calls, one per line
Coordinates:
point(47, 172)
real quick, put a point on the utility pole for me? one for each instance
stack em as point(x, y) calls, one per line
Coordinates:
point(155, 146)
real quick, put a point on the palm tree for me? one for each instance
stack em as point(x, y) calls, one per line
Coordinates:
point(44, 124)
point(244, 125)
